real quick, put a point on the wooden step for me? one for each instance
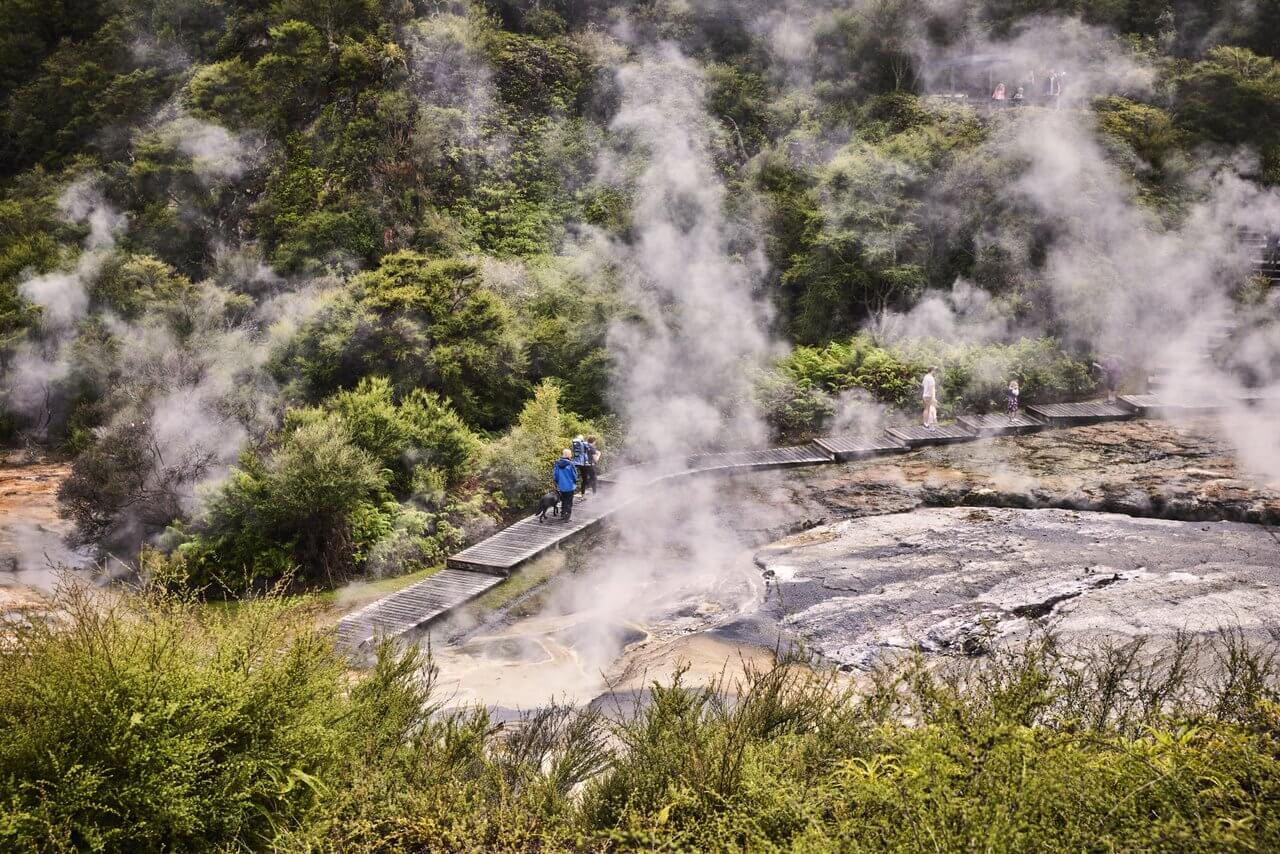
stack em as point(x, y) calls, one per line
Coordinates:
point(412, 608)
point(1161, 406)
point(1001, 425)
point(860, 446)
point(920, 436)
point(1072, 414)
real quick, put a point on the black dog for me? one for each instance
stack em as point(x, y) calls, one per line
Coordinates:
point(550, 501)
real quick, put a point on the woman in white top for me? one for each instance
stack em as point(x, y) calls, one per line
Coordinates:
point(929, 396)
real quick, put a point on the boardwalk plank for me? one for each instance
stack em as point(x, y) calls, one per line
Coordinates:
point(1001, 425)
point(860, 446)
point(920, 436)
point(1068, 414)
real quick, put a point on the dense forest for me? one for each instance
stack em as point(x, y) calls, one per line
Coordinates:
point(313, 290)
point(322, 287)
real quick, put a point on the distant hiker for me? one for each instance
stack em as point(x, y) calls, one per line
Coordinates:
point(589, 470)
point(998, 96)
point(565, 476)
point(1011, 399)
point(929, 397)
point(1109, 371)
point(1018, 95)
point(581, 459)
point(1050, 83)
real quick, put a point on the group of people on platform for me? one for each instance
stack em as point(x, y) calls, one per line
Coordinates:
point(576, 471)
point(1050, 89)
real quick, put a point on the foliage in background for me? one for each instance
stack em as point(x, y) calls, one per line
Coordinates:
point(423, 324)
point(376, 205)
point(811, 387)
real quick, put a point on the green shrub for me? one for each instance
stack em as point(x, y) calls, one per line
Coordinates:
point(306, 504)
point(144, 724)
point(421, 323)
point(419, 432)
point(519, 463)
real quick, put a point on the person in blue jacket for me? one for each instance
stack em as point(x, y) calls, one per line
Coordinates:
point(566, 478)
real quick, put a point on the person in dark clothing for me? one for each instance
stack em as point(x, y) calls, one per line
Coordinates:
point(565, 476)
point(580, 458)
point(588, 471)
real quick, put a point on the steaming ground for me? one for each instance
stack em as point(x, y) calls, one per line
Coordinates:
point(1128, 530)
point(31, 532)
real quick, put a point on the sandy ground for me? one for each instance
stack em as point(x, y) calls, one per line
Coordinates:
point(31, 531)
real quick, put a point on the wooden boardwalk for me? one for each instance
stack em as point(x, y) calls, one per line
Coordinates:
point(484, 565)
point(766, 458)
point(1001, 425)
point(1160, 406)
point(1073, 414)
point(918, 436)
point(769, 458)
point(528, 538)
point(845, 448)
point(413, 607)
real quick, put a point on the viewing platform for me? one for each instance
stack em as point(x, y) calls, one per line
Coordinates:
point(1076, 414)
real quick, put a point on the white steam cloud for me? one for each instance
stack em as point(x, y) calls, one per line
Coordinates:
point(63, 298)
point(693, 274)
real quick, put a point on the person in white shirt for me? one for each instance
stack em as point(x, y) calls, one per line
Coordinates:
point(929, 396)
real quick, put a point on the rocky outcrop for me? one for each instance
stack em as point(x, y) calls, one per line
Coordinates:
point(1159, 469)
point(955, 581)
point(1141, 528)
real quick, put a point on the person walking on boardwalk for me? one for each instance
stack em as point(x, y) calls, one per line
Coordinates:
point(589, 470)
point(929, 397)
point(1109, 370)
point(581, 459)
point(1011, 400)
point(566, 479)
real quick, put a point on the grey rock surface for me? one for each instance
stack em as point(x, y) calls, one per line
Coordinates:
point(954, 581)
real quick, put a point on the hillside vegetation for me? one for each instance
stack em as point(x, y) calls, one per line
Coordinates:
point(304, 287)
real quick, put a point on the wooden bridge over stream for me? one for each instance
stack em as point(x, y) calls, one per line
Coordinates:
point(479, 568)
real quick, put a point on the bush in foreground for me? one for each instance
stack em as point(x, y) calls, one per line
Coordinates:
point(151, 724)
